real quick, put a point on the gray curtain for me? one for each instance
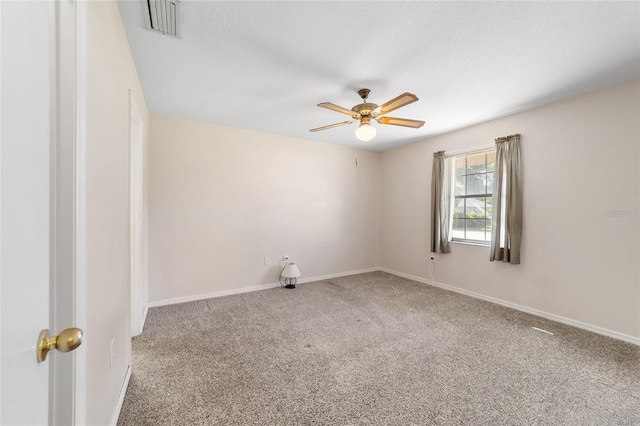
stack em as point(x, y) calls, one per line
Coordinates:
point(506, 224)
point(440, 204)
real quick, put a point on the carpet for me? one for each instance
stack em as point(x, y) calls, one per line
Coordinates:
point(373, 349)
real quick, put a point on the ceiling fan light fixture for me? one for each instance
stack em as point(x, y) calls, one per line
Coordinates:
point(365, 132)
point(367, 111)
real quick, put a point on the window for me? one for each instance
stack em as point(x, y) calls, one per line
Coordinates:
point(472, 186)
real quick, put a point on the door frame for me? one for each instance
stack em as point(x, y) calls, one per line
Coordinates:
point(81, 285)
point(136, 217)
point(69, 112)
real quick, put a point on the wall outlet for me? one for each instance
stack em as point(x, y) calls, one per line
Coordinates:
point(267, 261)
point(111, 351)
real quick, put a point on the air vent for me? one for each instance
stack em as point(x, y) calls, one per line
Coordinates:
point(161, 16)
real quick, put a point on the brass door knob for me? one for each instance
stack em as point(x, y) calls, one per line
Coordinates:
point(66, 341)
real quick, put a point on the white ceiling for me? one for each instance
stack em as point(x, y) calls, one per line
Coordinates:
point(265, 65)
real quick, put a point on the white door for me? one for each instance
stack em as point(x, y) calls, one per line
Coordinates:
point(35, 169)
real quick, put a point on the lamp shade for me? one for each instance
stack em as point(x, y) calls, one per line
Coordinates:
point(365, 132)
point(291, 271)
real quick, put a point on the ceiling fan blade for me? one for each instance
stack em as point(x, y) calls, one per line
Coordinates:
point(405, 122)
point(398, 102)
point(331, 126)
point(337, 108)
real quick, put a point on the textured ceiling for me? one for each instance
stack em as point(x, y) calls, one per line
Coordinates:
point(265, 65)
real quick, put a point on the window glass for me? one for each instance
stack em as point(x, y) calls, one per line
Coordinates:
point(476, 163)
point(472, 188)
point(491, 161)
point(476, 184)
point(460, 166)
point(459, 210)
point(458, 229)
point(489, 183)
point(459, 185)
point(488, 209)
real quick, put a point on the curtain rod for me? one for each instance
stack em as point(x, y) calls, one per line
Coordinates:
point(508, 137)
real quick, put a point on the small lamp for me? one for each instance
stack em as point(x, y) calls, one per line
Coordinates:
point(290, 272)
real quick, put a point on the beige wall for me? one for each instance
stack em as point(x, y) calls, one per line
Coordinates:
point(580, 158)
point(111, 74)
point(221, 199)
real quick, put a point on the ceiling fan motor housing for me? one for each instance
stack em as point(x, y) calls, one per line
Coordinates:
point(366, 110)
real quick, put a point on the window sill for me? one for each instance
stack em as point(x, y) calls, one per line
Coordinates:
point(471, 243)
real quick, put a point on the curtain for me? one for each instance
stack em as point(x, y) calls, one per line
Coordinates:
point(506, 224)
point(440, 203)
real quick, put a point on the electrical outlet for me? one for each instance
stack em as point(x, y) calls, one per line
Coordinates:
point(267, 261)
point(111, 352)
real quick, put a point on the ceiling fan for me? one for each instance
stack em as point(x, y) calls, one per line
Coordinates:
point(366, 111)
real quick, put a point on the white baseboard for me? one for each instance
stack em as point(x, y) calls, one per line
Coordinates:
point(409, 276)
point(221, 293)
point(338, 275)
point(144, 317)
point(595, 329)
point(123, 392)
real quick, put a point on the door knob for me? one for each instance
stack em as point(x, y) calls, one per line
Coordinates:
point(66, 341)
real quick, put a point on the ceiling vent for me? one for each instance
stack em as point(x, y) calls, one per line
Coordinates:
point(161, 16)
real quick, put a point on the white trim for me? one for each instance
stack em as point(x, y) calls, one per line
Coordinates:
point(123, 392)
point(0, 206)
point(532, 311)
point(476, 243)
point(222, 293)
point(136, 200)
point(80, 290)
point(473, 150)
point(144, 317)
point(338, 275)
point(409, 276)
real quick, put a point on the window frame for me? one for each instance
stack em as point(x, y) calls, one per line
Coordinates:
point(453, 197)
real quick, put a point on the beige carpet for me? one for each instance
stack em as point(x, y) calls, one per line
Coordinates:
point(373, 349)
